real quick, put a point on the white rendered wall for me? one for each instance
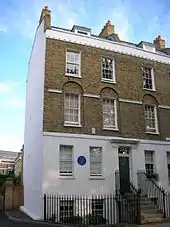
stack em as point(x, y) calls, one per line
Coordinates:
point(32, 169)
point(81, 183)
point(160, 159)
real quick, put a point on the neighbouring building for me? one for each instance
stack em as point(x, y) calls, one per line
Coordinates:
point(7, 161)
point(18, 165)
point(97, 107)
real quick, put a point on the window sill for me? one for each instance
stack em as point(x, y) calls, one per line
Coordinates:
point(111, 129)
point(72, 75)
point(96, 178)
point(108, 81)
point(153, 133)
point(72, 125)
point(66, 177)
point(147, 89)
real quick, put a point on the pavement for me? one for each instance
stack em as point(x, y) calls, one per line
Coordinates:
point(7, 221)
point(19, 219)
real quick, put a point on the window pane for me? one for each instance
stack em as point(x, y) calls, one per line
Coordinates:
point(72, 109)
point(150, 118)
point(72, 68)
point(109, 113)
point(107, 68)
point(95, 168)
point(66, 208)
point(149, 168)
point(149, 156)
point(97, 207)
point(95, 161)
point(73, 57)
point(147, 78)
point(73, 63)
point(66, 160)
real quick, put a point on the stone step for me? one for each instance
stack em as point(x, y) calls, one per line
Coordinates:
point(147, 206)
point(146, 202)
point(152, 220)
point(150, 211)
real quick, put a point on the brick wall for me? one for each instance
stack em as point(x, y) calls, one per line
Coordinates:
point(129, 86)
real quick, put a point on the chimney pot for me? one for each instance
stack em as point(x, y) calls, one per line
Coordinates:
point(159, 42)
point(46, 8)
point(46, 16)
point(108, 23)
point(107, 30)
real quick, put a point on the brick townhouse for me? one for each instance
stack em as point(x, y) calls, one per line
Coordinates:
point(96, 106)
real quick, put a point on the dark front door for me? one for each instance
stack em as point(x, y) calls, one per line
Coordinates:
point(124, 174)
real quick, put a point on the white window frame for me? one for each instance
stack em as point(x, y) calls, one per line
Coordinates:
point(111, 127)
point(70, 74)
point(152, 78)
point(70, 123)
point(72, 163)
point(152, 130)
point(113, 79)
point(168, 163)
point(99, 162)
point(150, 162)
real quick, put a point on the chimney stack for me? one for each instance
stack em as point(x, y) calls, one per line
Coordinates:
point(46, 16)
point(107, 30)
point(159, 42)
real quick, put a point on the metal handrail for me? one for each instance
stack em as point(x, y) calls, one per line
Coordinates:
point(151, 180)
point(151, 189)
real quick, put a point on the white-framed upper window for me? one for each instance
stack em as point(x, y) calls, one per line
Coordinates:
point(148, 78)
point(108, 69)
point(151, 121)
point(109, 114)
point(66, 160)
point(95, 161)
point(73, 63)
point(168, 165)
point(72, 109)
point(149, 162)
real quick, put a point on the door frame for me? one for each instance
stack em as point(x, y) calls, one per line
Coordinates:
point(130, 160)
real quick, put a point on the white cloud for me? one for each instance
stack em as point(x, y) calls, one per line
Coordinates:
point(5, 87)
point(10, 95)
point(8, 86)
point(13, 103)
point(11, 142)
point(66, 13)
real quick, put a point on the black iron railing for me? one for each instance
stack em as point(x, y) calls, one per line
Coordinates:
point(94, 210)
point(152, 191)
point(130, 199)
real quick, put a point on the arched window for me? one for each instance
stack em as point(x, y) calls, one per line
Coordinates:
point(109, 109)
point(72, 104)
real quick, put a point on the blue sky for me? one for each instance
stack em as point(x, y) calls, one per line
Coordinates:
point(134, 21)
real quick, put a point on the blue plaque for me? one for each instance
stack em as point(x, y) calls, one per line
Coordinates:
point(81, 160)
